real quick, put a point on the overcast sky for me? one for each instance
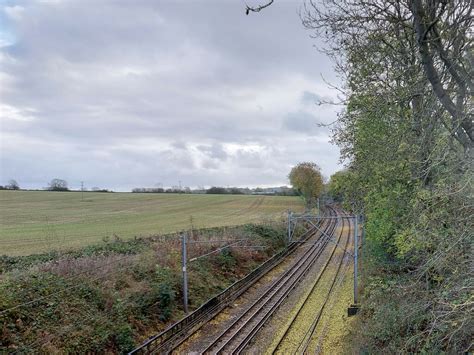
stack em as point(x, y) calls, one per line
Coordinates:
point(121, 94)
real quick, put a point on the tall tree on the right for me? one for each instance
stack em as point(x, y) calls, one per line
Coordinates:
point(406, 138)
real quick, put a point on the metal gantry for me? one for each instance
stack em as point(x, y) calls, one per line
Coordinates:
point(293, 220)
point(185, 260)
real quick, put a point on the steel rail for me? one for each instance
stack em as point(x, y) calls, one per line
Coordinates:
point(285, 284)
point(339, 283)
point(308, 296)
point(305, 342)
point(185, 338)
point(262, 321)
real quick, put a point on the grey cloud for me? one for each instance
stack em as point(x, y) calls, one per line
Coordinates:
point(215, 151)
point(117, 93)
point(309, 97)
point(301, 121)
point(179, 145)
point(246, 159)
point(210, 164)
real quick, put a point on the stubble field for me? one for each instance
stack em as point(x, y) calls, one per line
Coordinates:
point(39, 221)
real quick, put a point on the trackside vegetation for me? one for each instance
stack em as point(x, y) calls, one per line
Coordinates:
point(406, 136)
point(109, 297)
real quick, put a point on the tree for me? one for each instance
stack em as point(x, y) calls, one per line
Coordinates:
point(429, 43)
point(58, 185)
point(337, 185)
point(445, 43)
point(406, 138)
point(306, 178)
point(12, 185)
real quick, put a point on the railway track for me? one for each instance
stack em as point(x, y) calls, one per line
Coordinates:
point(298, 328)
point(171, 340)
point(237, 336)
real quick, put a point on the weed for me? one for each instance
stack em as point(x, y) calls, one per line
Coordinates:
point(166, 296)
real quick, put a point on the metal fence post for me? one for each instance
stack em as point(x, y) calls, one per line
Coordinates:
point(356, 256)
point(184, 259)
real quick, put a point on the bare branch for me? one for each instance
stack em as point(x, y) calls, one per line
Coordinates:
point(257, 8)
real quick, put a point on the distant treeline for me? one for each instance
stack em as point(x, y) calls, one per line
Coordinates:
point(6, 187)
point(225, 191)
point(160, 190)
point(278, 191)
point(53, 185)
point(217, 190)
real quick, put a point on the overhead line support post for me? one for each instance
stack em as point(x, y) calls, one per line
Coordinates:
point(362, 235)
point(289, 226)
point(184, 258)
point(356, 256)
point(352, 310)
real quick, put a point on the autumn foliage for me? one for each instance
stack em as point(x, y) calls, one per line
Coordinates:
point(306, 178)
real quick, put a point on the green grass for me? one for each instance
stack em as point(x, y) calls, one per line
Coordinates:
point(39, 221)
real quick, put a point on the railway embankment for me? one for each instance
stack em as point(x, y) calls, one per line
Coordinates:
point(113, 295)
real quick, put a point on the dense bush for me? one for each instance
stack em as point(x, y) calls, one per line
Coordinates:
point(276, 234)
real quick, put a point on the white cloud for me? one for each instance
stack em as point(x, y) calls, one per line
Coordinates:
point(14, 12)
point(24, 114)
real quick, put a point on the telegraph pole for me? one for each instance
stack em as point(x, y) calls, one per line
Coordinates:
point(82, 190)
point(185, 272)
